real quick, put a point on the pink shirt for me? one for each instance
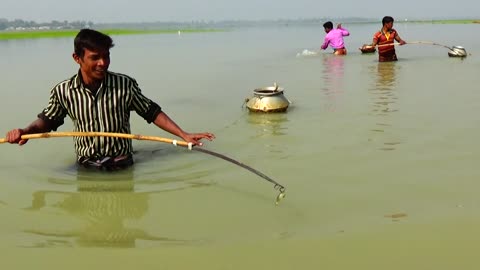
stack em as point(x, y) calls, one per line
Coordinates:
point(335, 38)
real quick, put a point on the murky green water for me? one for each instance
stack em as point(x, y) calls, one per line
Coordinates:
point(379, 159)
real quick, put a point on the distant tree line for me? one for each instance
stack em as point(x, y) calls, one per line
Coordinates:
point(19, 24)
point(23, 24)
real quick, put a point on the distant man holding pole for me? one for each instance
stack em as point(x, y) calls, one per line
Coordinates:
point(385, 40)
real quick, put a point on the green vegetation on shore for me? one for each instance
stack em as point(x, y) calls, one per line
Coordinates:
point(454, 21)
point(5, 35)
point(463, 21)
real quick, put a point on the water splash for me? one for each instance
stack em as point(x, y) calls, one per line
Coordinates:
point(307, 52)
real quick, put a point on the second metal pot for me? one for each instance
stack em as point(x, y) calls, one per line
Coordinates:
point(457, 51)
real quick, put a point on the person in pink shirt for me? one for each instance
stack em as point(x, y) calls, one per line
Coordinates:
point(334, 38)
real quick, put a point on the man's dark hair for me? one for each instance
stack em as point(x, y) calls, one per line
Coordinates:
point(387, 19)
point(328, 25)
point(91, 40)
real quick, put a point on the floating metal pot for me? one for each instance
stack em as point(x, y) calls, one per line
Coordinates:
point(457, 51)
point(268, 99)
point(367, 48)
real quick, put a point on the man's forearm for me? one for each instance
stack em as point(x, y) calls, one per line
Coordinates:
point(37, 126)
point(164, 122)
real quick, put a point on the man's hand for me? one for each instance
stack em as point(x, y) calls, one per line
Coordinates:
point(196, 137)
point(15, 136)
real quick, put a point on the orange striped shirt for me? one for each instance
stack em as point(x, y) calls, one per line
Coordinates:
point(385, 38)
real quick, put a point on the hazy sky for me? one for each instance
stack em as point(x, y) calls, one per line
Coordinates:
point(187, 10)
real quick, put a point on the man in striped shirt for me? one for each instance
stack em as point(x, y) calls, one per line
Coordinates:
point(98, 100)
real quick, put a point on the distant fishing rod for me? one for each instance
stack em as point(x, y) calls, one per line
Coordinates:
point(455, 51)
point(188, 145)
point(417, 42)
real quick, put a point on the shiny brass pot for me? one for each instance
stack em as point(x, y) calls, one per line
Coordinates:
point(268, 99)
point(457, 51)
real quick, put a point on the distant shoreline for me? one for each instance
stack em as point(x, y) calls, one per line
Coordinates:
point(36, 34)
point(9, 35)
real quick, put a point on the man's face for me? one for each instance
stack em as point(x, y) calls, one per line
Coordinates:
point(93, 64)
point(389, 25)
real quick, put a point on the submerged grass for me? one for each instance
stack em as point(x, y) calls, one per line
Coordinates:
point(6, 35)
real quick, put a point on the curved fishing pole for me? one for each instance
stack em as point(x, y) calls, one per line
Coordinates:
point(457, 51)
point(417, 42)
point(277, 186)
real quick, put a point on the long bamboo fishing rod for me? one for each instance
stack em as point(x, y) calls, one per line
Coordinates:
point(98, 134)
point(277, 186)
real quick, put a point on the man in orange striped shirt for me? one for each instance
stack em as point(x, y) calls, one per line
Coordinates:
point(385, 39)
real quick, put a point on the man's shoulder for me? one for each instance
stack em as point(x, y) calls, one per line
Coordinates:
point(120, 76)
point(378, 34)
point(67, 83)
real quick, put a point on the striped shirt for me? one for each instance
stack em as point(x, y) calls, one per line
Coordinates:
point(382, 38)
point(107, 110)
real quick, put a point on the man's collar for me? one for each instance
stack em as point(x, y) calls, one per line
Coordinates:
point(78, 80)
point(389, 30)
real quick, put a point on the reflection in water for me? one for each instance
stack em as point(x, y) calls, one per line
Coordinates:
point(269, 124)
point(384, 101)
point(104, 205)
point(333, 72)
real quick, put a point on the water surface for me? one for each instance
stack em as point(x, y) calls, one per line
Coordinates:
point(379, 159)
